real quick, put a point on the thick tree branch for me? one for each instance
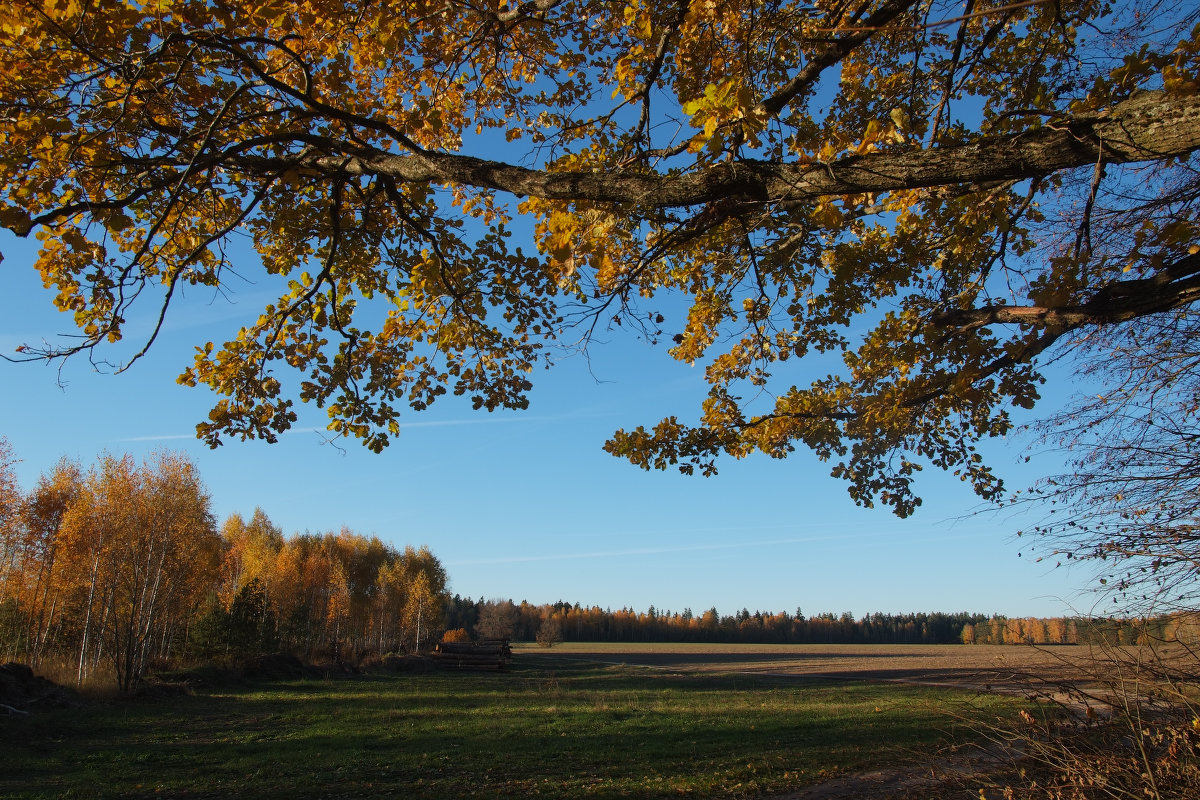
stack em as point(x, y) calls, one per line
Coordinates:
point(1149, 126)
point(1177, 285)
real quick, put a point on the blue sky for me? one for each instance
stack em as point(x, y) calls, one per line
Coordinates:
point(527, 505)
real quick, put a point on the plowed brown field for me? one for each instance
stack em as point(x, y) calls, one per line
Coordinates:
point(979, 667)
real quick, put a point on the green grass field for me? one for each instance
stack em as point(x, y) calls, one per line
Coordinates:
point(547, 728)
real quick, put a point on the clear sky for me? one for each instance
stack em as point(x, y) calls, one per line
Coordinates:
point(527, 505)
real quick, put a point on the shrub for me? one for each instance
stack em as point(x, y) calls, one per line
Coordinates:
point(456, 635)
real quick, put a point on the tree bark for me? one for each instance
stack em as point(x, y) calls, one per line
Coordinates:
point(1150, 126)
point(1175, 286)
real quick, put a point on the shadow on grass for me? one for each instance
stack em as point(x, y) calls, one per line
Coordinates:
point(701, 657)
point(596, 731)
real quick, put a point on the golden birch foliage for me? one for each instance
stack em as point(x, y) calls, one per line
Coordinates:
point(422, 613)
point(142, 554)
point(869, 222)
point(11, 501)
point(392, 591)
point(110, 567)
point(337, 606)
point(412, 592)
point(177, 505)
point(250, 550)
point(41, 590)
point(317, 578)
point(285, 581)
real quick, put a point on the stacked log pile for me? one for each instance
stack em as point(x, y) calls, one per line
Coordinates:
point(487, 654)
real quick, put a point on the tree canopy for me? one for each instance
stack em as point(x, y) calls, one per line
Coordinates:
point(882, 216)
point(121, 565)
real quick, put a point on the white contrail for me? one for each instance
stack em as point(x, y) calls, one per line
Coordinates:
point(644, 551)
point(161, 437)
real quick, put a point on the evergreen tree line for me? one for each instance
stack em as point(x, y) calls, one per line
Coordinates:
point(564, 621)
point(112, 568)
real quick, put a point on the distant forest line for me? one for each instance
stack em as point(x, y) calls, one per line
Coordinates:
point(568, 622)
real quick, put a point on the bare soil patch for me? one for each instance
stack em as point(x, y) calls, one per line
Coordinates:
point(1006, 669)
